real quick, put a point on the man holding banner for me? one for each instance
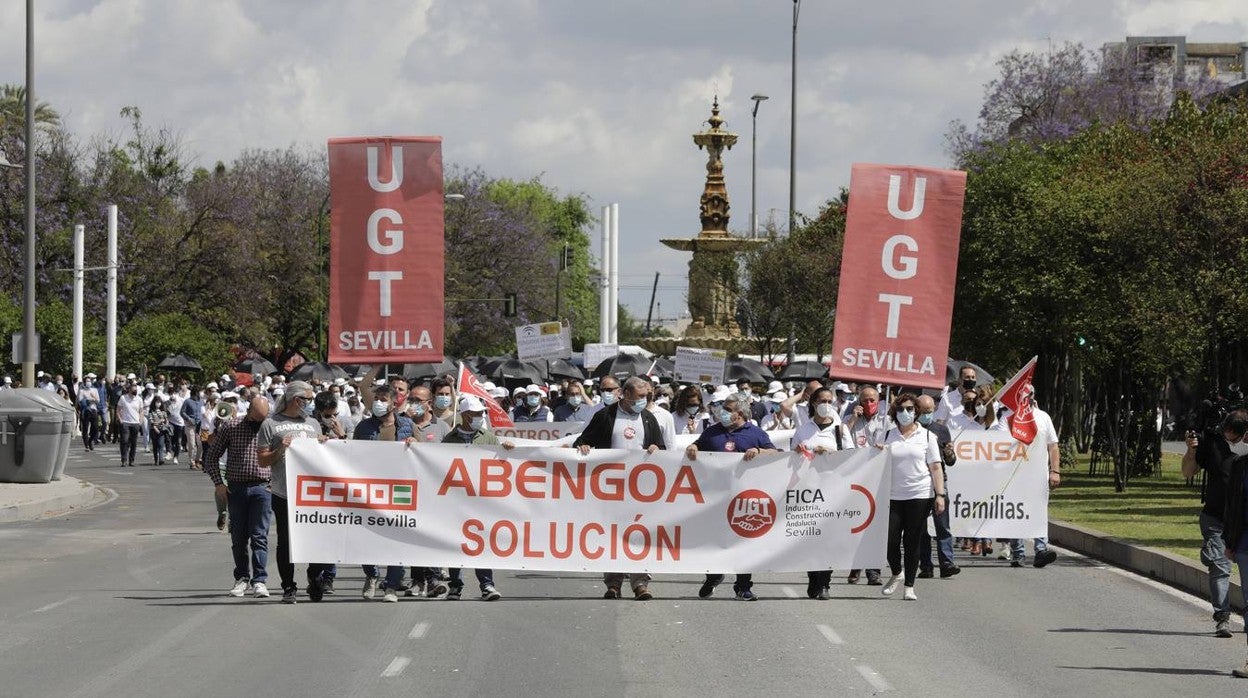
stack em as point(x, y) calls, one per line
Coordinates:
point(628, 425)
point(1029, 423)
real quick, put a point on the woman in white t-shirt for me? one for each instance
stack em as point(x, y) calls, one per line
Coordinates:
point(689, 413)
point(914, 461)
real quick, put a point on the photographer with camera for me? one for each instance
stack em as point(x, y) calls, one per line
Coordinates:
point(1209, 449)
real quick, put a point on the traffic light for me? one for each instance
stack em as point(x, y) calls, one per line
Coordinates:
point(565, 263)
point(509, 305)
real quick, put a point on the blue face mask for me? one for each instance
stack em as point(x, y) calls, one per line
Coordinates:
point(442, 402)
point(926, 419)
point(725, 418)
point(418, 409)
point(307, 408)
point(533, 401)
point(575, 401)
point(639, 404)
point(609, 398)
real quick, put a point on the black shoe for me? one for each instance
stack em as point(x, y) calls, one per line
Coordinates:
point(812, 590)
point(1016, 562)
point(949, 571)
point(221, 521)
point(852, 578)
point(327, 586)
point(706, 590)
point(315, 591)
point(873, 579)
point(1222, 629)
point(926, 573)
point(1043, 558)
point(612, 593)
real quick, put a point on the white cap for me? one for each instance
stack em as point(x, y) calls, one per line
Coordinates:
point(90, 375)
point(662, 400)
point(470, 403)
point(498, 392)
point(150, 386)
point(654, 379)
point(130, 376)
point(379, 382)
point(229, 394)
point(722, 393)
point(840, 387)
point(225, 376)
point(489, 386)
point(587, 382)
point(8, 379)
point(774, 386)
point(348, 391)
point(517, 391)
point(212, 385)
point(340, 381)
point(778, 396)
point(533, 388)
point(39, 374)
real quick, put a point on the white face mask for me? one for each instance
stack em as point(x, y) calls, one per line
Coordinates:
point(981, 410)
point(825, 410)
point(1240, 448)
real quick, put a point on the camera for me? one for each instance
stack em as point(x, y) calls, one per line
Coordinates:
point(1206, 417)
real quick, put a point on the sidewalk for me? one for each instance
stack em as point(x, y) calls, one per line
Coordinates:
point(27, 501)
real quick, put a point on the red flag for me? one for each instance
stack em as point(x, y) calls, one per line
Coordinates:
point(469, 385)
point(1017, 396)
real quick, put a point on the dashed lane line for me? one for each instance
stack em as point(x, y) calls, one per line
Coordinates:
point(874, 678)
point(54, 604)
point(791, 593)
point(830, 634)
point(396, 667)
point(418, 631)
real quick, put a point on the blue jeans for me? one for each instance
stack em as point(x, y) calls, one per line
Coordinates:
point(1213, 554)
point(250, 505)
point(944, 541)
point(484, 577)
point(1018, 549)
point(394, 575)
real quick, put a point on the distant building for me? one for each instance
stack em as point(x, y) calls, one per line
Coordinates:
point(1171, 62)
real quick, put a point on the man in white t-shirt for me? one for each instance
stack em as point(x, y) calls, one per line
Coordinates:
point(951, 400)
point(174, 407)
point(1047, 439)
point(130, 414)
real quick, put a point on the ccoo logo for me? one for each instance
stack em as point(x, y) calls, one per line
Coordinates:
point(751, 513)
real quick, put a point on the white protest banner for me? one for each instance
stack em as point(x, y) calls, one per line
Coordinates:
point(999, 487)
point(597, 353)
point(372, 502)
point(544, 340)
point(539, 431)
point(700, 365)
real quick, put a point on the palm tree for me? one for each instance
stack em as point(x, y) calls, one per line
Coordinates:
point(13, 111)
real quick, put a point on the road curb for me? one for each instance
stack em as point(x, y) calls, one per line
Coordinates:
point(47, 500)
point(1178, 572)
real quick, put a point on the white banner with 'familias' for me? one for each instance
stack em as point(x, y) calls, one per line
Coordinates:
point(368, 502)
point(999, 487)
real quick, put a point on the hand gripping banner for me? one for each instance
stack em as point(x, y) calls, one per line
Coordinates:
point(386, 250)
point(361, 502)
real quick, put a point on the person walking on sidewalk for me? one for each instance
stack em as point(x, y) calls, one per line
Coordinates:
point(247, 495)
point(130, 414)
point(1235, 516)
point(1211, 452)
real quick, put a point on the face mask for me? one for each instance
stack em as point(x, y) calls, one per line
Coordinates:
point(609, 398)
point(307, 409)
point(926, 419)
point(638, 405)
point(380, 408)
point(968, 406)
point(1239, 448)
point(693, 410)
point(825, 410)
point(870, 408)
point(477, 423)
point(575, 401)
point(418, 409)
point(968, 383)
point(442, 402)
point(904, 418)
point(532, 401)
point(400, 399)
point(981, 410)
point(725, 418)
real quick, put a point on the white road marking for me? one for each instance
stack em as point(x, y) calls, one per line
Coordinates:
point(791, 593)
point(53, 605)
point(829, 633)
point(418, 631)
point(119, 472)
point(873, 677)
point(396, 667)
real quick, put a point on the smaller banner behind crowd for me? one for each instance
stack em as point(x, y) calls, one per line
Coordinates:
point(898, 270)
point(362, 502)
point(999, 488)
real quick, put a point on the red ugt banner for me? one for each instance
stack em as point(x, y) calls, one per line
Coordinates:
point(386, 250)
point(898, 270)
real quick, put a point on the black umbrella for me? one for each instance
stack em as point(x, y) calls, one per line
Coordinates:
point(179, 362)
point(663, 367)
point(426, 371)
point(753, 370)
point(623, 365)
point(560, 368)
point(514, 372)
point(954, 366)
point(253, 366)
point(803, 371)
point(318, 371)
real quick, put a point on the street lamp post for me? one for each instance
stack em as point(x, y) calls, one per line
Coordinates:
point(28, 314)
point(758, 99)
point(797, 8)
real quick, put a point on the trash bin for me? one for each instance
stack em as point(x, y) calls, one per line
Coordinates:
point(69, 420)
point(31, 435)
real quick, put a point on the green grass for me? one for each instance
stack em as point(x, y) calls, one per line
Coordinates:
point(1159, 512)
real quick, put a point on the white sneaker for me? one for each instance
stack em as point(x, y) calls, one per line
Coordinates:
point(370, 587)
point(891, 587)
point(909, 595)
point(241, 587)
point(260, 590)
point(489, 593)
point(390, 596)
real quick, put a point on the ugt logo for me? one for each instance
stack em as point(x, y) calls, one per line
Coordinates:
point(751, 513)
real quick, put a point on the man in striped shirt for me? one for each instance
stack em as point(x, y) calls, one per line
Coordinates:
point(248, 495)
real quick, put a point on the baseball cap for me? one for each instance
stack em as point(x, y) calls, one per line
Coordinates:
point(840, 388)
point(130, 376)
point(774, 386)
point(778, 396)
point(91, 375)
point(229, 394)
point(722, 393)
point(533, 388)
point(470, 403)
point(518, 391)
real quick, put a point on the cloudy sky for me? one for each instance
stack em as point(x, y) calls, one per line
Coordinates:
point(596, 96)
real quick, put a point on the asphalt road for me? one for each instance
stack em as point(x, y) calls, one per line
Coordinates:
point(129, 599)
